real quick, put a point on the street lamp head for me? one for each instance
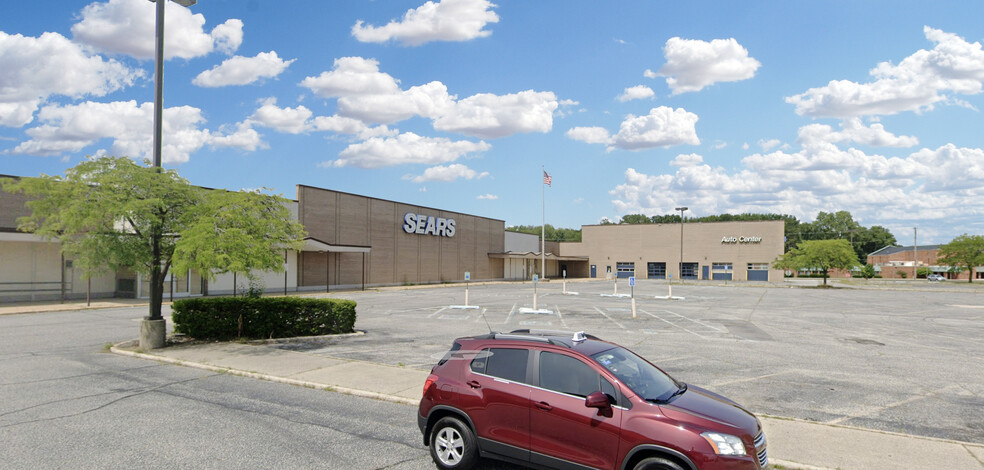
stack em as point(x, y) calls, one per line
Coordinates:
point(682, 208)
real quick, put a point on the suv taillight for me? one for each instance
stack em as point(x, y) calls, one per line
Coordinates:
point(430, 381)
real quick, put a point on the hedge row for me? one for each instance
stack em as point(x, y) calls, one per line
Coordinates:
point(224, 318)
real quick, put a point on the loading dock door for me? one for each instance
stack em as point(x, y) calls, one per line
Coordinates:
point(758, 272)
point(758, 275)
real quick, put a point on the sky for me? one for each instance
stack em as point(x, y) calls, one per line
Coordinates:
point(631, 106)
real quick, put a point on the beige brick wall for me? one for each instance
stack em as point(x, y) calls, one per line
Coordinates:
point(396, 256)
point(607, 245)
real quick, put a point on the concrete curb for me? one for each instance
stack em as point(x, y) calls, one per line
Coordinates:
point(118, 349)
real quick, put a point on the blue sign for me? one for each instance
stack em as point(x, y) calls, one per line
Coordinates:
point(632, 281)
point(467, 275)
point(535, 278)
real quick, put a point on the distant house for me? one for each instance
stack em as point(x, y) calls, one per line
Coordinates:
point(894, 261)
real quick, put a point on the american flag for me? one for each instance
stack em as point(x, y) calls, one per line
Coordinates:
point(547, 178)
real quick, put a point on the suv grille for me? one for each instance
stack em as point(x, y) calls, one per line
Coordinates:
point(762, 452)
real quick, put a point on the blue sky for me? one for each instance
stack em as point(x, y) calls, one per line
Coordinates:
point(632, 106)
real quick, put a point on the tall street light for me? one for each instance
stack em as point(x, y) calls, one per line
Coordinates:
point(159, 76)
point(152, 328)
point(680, 267)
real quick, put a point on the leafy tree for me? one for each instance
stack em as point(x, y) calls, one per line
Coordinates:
point(110, 212)
point(871, 239)
point(923, 272)
point(822, 255)
point(867, 271)
point(963, 252)
point(552, 234)
point(635, 219)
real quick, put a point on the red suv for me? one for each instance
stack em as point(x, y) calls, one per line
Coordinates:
point(572, 401)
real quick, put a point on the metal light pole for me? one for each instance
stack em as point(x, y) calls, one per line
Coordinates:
point(152, 328)
point(680, 267)
point(915, 253)
point(159, 75)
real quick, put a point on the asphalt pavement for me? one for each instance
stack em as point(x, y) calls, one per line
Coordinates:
point(793, 443)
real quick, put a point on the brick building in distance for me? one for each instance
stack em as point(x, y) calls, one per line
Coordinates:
point(893, 262)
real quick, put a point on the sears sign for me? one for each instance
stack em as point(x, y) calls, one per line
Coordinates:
point(424, 225)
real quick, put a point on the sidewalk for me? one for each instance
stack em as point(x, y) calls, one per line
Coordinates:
point(792, 443)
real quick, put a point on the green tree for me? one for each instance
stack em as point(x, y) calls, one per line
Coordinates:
point(871, 239)
point(111, 213)
point(635, 219)
point(867, 271)
point(963, 252)
point(821, 255)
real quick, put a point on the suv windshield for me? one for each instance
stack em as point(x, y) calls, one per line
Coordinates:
point(635, 372)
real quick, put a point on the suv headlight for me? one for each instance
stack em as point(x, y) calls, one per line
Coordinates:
point(724, 444)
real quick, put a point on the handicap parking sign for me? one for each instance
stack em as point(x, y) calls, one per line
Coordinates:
point(632, 281)
point(536, 278)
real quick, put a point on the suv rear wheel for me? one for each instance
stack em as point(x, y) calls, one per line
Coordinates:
point(657, 463)
point(452, 444)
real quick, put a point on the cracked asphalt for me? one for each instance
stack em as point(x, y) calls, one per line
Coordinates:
point(908, 361)
point(66, 402)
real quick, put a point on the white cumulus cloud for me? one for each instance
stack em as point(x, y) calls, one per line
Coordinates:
point(239, 70)
point(488, 197)
point(943, 183)
point(492, 116)
point(637, 92)
point(692, 64)
point(853, 130)
point(445, 20)
point(288, 120)
point(590, 135)
point(448, 174)
point(662, 127)
point(917, 83)
point(72, 128)
point(128, 27)
point(34, 68)
point(406, 148)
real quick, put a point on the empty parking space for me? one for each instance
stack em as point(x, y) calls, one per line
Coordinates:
point(852, 357)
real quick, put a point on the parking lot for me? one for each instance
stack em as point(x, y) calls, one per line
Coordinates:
point(908, 361)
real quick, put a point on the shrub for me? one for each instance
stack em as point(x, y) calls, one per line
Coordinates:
point(224, 318)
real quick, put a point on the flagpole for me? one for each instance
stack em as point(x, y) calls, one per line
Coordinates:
point(543, 227)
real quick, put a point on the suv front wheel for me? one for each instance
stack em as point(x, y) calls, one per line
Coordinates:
point(452, 444)
point(657, 463)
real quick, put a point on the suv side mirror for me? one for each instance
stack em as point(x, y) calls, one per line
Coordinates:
point(597, 400)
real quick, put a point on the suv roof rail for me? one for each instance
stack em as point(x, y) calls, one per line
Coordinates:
point(522, 337)
point(536, 332)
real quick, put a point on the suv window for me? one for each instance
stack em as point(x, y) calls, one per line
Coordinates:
point(568, 375)
point(504, 363)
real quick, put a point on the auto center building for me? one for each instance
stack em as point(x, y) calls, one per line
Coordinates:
point(357, 241)
point(725, 251)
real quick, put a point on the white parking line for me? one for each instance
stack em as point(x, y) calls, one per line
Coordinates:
point(437, 312)
point(869, 411)
point(672, 324)
point(481, 317)
point(560, 316)
point(511, 312)
point(705, 325)
point(610, 318)
point(751, 379)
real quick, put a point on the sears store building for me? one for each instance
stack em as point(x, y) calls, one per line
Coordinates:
point(358, 241)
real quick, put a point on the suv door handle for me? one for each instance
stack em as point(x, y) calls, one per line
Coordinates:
point(474, 384)
point(544, 406)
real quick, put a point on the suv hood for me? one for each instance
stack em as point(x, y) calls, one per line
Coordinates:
point(709, 406)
